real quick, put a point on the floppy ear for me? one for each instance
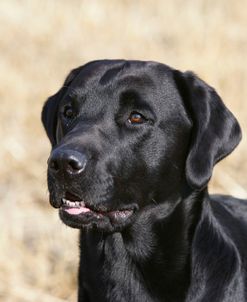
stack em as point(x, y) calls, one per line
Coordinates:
point(215, 131)
point(50, 109)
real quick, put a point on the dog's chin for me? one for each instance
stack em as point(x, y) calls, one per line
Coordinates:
point(78, 215)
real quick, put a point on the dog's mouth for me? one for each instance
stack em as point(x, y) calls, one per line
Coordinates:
point(78, 207)
point(77, 213)
point(74, 207)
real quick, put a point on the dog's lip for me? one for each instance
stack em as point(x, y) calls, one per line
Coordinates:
point(79, 207)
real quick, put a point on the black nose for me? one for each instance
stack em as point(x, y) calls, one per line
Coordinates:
point(67, 161)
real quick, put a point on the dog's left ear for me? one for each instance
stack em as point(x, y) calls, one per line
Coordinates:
point(50, 109)
point(215, 131)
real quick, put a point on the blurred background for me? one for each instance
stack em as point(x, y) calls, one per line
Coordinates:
point(40, 42)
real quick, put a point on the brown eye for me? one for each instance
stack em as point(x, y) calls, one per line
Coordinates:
point(68, 112)
point(136, 118)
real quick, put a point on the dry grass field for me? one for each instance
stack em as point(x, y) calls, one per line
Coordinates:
point(40, 41)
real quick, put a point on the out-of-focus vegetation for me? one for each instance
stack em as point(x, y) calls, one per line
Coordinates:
point(40, 41)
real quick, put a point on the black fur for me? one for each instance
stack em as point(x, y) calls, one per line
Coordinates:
point(151, 231)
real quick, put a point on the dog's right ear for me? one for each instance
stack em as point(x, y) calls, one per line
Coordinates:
point(50, 108)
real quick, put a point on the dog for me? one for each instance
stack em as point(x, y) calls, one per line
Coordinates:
point(133, 148)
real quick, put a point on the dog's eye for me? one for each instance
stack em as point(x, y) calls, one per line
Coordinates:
point(136, 118)
point(68, 112)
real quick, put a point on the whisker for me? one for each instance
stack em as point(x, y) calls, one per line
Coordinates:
point(154, 201)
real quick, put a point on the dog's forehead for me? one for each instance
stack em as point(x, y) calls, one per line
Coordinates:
point(107, 74)
point(99, 81)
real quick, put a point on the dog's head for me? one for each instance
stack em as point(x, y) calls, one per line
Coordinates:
point(129, 135)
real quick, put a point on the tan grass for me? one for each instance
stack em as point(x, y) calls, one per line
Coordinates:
point(40, 41)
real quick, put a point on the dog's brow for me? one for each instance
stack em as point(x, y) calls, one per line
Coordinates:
point(134, 99)
point(77, 94)
point(71, 89)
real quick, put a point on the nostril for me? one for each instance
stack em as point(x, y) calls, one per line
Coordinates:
point(76, 164)
point(53, 165)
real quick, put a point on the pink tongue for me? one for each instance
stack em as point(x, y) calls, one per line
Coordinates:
point(76, 211)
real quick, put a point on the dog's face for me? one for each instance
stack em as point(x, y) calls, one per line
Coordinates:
point(128, 136)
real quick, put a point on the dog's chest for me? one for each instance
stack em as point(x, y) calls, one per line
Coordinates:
point(107, 272)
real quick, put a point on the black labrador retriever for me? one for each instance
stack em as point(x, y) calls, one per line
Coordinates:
point(133, 148)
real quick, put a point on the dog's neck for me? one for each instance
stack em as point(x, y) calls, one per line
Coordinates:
point(160, 248)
